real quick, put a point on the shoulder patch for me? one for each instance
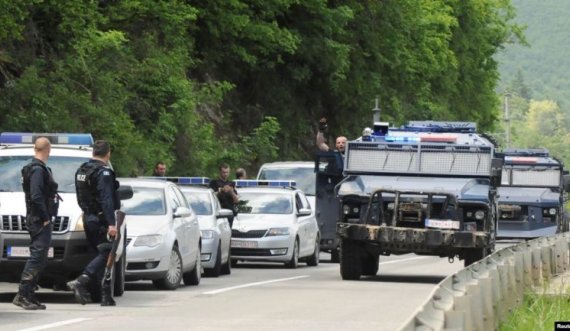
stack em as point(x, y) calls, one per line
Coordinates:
point(106, 173)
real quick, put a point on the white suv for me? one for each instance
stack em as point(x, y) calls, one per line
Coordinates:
point(69, 251)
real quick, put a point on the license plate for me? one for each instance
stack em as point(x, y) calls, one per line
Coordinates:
point(16, 251)
point(442, 224)
point(244, 244)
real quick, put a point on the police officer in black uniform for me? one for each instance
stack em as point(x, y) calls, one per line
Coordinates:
point(42, 200)
point(97, 196)
point(225, 190)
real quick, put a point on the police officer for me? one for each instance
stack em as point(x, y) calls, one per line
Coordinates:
point(96, 188)
point(340, 142)
point(225, 190)
point(42, 200)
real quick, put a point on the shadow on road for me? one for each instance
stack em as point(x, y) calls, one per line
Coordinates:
point(421, 279)
point(44, 297)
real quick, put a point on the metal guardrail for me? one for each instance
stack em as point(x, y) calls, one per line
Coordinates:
point(482, 295)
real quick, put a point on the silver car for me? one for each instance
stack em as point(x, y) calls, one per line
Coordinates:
point(274, 224)
point(216, 231)
point(163, 236)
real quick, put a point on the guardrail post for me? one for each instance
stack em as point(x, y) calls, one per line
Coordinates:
point(527, 266)
point(546, 263)
point(536, 266)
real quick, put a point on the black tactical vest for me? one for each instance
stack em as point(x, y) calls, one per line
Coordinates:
point(51, 199)
point(86, 187)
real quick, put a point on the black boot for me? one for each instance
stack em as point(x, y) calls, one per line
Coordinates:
point(35, 300)
point(25, 302)
point(80, 288)
point(107, 297)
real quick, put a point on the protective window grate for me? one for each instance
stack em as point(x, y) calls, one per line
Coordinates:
point(525, 177)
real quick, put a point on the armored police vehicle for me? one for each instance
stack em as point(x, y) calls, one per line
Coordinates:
point(532, 195)
point(69, 251)
point(427, 188)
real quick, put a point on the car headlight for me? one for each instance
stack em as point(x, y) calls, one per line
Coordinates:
point(278, 232)
point(348, 209)
point(479, 215)
point(148, 240)
point(207, 234)
point(552, 211)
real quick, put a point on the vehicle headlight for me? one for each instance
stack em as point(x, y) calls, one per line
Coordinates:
point(278, 232)
point(207, 234)
point(552, 211)
point(479, 215)
point(148, 240)
point(348, 209)
point(79, 224)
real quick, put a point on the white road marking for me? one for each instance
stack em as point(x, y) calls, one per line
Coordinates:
point(55, 325)
point(404, 260)
point(227, 289)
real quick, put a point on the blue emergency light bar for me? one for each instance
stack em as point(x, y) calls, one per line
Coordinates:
point(268, 183)
point(434, 126)
point(12, 138)
point(402, 139)
point(194, 181)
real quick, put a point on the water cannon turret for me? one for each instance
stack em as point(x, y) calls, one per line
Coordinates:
point(379, 128)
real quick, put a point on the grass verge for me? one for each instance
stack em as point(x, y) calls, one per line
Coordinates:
point(538, 312)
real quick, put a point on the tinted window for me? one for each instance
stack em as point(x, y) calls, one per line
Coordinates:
point(305, 177)
point(266, 203)
point(145, 201)
point(63, 168)
point(200, 202)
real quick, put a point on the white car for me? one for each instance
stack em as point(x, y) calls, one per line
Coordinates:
point(163, 236)
point(274, 223)
point(216, 231)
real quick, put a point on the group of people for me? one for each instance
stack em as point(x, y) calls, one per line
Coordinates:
point(96, 188)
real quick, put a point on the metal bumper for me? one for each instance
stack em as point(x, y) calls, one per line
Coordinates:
point(409, 240)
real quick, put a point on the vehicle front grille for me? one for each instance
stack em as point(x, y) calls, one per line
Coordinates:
point(250, 252)
point(248, 234)
point(17, 223)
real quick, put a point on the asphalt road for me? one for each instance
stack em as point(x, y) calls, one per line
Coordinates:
point(253, 297)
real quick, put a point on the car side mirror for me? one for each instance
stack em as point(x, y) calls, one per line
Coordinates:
point(304, 212)
point(125, 192)
point(566, 183)
point(182, 212)
point(224, 213)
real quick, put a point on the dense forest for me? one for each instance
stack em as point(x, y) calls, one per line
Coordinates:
point(196, 83)
point(534, 78)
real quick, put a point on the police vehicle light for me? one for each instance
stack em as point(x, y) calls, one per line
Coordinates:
point(193, 180)
point(401, 139)
point(445, 138)
point(84, 139)
point(269, 183)
point(479, 215)
point(522, 160)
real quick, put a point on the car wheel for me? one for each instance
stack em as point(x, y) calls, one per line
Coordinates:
point(313, 260)
point(217, 269)
point(294, 262)
point(350, 260)
point(173, 276)
point(227, 267)
point(194, 276)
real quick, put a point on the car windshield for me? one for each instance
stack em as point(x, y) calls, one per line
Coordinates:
point(305, 177)
point(264, 203)
point(145, 201)
point(62, 167)
point(200, 202)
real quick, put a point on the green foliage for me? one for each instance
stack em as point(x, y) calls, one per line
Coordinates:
point(242, 81)
point(538, 313)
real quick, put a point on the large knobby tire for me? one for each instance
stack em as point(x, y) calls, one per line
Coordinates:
point(227, 267)
point(217, 269)
point(313, 260)
point(194, 276)
point(472, 255)
point(294, 262)
point(370, 265)
point(350, 260)
point(173, 276)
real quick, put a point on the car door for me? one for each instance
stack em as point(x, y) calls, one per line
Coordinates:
point(180, 224)
point(303, 222)
point(224, 229)
point(192, 230)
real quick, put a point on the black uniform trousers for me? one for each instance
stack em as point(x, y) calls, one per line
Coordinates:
point(39, 248)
